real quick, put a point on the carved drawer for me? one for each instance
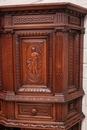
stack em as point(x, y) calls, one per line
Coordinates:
point(34, 111)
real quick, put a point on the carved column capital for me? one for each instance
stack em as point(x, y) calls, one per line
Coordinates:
point(62, 29)
point(8, 31)
point(65, 30)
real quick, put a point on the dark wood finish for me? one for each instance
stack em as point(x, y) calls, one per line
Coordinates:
point(41, 49)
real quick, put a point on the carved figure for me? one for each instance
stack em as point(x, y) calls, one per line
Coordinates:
point(33, 62)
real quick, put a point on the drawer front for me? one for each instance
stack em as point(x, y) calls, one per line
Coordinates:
point(34, 111)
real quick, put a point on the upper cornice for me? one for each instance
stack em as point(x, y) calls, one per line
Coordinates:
point(45, 8)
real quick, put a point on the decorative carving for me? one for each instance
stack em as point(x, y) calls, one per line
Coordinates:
point(71, 60)
point(17, 61)
point(57, 99)
point(43, 92)
point(74, 13)
point(8, 31)
point(38, 110)
point(77, 118)
point(77, 60)
point(34, 90)
point(32, 75)
point(34, 63)
point(59, 54)
point(17, 123)
point(9, 61)
point(71, 105)
point(72, 110)
point(29, 19)
point(60, 18)
point(33, 33)
point(7, 20)
point(50, 61)
point(36, 125)
point(34, 111)
point(74, 20)
point(74, 95)
point(45, 12)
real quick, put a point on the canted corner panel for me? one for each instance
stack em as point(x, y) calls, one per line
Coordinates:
point(34, 111)
point(73, 108)
point(7, 64)
point(59, 62)
point(32, 56)
point(74, 46)
point(9, 61)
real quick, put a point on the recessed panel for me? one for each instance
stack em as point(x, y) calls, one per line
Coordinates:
point(34, 61)
point(34, 111)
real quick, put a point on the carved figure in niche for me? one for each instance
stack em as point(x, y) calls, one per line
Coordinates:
point(33, 62)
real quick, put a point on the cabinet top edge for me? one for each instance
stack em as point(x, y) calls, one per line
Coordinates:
point(57, 5)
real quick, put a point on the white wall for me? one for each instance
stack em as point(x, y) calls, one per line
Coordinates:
point(79, 2)
point(11, 2)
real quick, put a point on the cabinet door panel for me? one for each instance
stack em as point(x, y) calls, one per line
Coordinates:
point(33, 61)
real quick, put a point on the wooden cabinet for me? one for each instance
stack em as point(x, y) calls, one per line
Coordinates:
point(41, 48)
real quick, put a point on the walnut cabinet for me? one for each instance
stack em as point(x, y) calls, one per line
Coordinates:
point(41, 57)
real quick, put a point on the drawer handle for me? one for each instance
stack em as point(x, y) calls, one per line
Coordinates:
point(34, 111)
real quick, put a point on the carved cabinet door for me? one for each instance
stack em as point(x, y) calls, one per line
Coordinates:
point(33, 56)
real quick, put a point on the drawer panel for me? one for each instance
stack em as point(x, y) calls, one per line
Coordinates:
point(35, 111)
